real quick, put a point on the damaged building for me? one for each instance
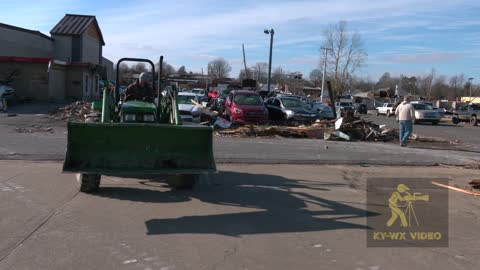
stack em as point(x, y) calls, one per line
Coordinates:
point(68, 64)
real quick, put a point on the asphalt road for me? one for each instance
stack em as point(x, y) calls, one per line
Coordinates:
point(244, 217)
point(48, 142)
point(463, 132)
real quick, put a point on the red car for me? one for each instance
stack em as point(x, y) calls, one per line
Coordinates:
point(243, 106)
point(213, 94)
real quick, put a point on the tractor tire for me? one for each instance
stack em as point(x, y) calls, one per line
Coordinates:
point(455, 120)
point(183, 181)
point(474, 120)
point(88, 182)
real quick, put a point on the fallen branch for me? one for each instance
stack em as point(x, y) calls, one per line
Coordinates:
point(474, 193)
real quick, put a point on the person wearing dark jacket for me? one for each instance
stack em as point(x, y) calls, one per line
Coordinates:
point(141, 89)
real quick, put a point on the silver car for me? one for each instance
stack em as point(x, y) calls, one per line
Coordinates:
point(425, 113)
point(188, 111)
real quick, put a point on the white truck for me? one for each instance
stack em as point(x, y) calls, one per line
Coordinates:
point(387, 109)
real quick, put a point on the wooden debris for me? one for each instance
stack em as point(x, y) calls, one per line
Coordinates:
point(324, 129)
point(474, 193)
point(475, 184)
point(73, 112)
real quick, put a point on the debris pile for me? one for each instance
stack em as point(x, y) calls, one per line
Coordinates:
point(475, 184)
point(33, 129)
point(73, 112)
point(341, 129)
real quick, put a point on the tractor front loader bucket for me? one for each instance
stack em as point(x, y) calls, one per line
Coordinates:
point(123, 149)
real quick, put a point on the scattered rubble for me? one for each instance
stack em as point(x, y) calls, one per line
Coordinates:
point(34, 129)
point(342, 129)
point(73, 112)
point(475, 184)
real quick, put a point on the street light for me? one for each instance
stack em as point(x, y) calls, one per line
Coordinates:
point(470, 80)
point(271, 32)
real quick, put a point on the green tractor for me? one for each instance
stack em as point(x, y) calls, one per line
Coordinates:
point(138, 139)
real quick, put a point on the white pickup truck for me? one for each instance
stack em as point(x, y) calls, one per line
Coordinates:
point(388, 109)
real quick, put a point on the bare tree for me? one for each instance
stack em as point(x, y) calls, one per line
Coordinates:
point(166, 70)
point(429, 81)
point(456, 83)
point(409, 84)
point(139, 68)
point(346, 54)
point(440, 89)
point(260, 72)
point(241, 76)
point(316, 77)
point(219, 68)
point(279, 76)
point(182, 71)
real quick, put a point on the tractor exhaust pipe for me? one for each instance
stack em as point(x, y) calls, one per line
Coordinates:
point(159, 86)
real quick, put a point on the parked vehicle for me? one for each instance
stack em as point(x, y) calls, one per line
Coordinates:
point(305, 99)
point(470, 113)
point(290, 109)
point(360, 108)
point(387, 109)
point(219, 102)
point(243, 106)
point(6, 92)
point(441, 111)
point(188, 111)
point(213, 94)
point(344, 108)
point(201, 94)
point(324, 111)
point(424, 113)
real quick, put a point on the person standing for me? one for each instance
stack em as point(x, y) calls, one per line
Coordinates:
point(405, 113)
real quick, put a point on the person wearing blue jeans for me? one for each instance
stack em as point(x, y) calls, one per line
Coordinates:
point(405, 113)
point(406, 128)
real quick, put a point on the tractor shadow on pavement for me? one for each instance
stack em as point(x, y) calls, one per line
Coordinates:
point(278, 205)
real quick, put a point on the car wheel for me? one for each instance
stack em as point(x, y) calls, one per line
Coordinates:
point(377, 114)
point(455, 120)
point(473, 120)
point(388, 114)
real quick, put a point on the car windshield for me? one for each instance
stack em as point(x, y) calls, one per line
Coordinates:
point(292, 102)
point(248, 100)
point(421, 107)
point(185, 99)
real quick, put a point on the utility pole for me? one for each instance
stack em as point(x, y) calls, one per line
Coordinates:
point(208, 73)
point(324, 70)
point(470, 80)
point(271, 32)
point(244, 62)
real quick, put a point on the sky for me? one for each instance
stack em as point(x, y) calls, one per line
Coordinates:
point(408, 37)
